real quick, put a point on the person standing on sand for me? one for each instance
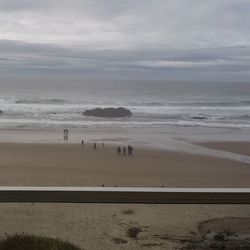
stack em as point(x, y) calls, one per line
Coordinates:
point(66, 131)
point(94, 145)
point(65, 135)
point(130, 150)
point(119, 150)
point(82, 142)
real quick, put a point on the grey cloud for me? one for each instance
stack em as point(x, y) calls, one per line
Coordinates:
point(156, 37)
point(53, 58)
point(148, 23)
point(20, 5)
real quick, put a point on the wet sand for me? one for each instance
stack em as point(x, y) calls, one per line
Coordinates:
point(75, 165)
point(230, 146)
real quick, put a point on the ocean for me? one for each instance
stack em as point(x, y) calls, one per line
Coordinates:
point(59, 104)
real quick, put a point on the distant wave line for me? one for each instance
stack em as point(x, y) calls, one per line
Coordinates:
point(42, 101)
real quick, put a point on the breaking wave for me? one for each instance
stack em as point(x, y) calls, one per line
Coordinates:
point(41, 101)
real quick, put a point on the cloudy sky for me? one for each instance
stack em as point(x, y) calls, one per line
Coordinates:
point(120, 39)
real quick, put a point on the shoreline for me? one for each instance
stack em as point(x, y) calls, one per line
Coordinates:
point(241, 147)
point(191, 140)
point(140, 134)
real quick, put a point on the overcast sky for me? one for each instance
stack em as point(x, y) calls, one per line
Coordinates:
point(146, 39)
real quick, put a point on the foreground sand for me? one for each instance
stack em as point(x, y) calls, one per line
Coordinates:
point(105, 226)
point(74, 165)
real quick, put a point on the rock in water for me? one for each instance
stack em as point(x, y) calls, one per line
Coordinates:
point(199, 117)
point(108, 112)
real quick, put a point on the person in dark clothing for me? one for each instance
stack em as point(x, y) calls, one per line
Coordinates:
point(119, 150)
point(94, 145)
point(65, 134)
point(124, 151)
point(130, 150)
point(82, 142)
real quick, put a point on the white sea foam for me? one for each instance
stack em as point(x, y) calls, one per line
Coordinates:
point(151, 106)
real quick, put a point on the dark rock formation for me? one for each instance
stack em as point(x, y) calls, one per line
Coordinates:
point(199, 117)
point(108, 112)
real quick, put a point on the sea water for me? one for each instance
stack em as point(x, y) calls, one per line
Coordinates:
point(52, 104)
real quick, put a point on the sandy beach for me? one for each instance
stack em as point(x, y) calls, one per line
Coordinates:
point(106, 226)
point(35, 164)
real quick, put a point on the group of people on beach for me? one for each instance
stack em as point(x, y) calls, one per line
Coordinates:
point(124, 150)
point(120, 150)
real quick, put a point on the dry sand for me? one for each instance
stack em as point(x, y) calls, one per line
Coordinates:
point(105, 226)
point(76, 165)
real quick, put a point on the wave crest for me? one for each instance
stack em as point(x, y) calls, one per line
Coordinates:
point(41, 101)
